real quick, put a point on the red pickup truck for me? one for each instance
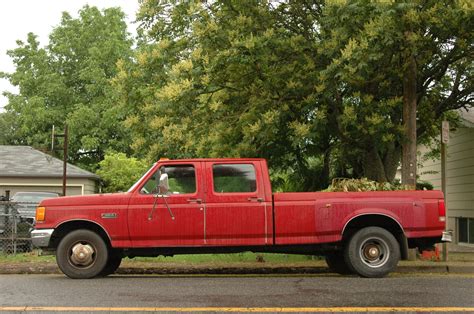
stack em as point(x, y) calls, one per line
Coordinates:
point(226, 206)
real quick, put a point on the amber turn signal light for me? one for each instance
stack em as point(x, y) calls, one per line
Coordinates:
point(40, 213)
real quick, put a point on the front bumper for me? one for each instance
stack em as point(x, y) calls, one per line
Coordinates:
point(41, 237)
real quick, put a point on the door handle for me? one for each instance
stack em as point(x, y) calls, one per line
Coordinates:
point(195, 200)
point(255, 199)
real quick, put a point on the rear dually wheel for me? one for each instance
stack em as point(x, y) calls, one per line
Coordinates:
point(372, 252)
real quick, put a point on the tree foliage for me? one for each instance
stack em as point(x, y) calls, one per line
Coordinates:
point(316, 87)
point(120, 172)
point(224, 81)
point(69, 81)
point(294, 80)
point(366, 70)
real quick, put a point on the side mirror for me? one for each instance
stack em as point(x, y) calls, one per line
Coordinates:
point(164, 186)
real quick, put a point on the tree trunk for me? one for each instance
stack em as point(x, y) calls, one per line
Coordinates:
point(373, 166)
point(409, 122)
point(326, 166)
point(391, 161)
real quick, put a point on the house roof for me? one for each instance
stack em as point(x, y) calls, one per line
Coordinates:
point(25, 161)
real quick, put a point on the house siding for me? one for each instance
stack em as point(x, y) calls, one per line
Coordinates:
point(459, 175)
point(90, 187)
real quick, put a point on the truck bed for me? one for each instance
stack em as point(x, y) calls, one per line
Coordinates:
point(321, 217)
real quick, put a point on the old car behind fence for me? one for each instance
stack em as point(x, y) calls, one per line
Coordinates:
point(15, 229)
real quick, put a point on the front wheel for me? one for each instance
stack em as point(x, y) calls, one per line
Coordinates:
point(372, 252)
point(82, 254)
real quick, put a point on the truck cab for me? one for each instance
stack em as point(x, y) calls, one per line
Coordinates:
point(208, 203)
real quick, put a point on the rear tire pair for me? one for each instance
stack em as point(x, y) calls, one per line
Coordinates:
point(83, 254)
point(371, 252)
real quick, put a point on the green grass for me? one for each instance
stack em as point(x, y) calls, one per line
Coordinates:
point(31, 257)
point(247, 257)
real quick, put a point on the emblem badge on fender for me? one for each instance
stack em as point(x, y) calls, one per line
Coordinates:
point(109, 215)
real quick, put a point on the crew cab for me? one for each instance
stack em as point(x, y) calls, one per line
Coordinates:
point(227, 205)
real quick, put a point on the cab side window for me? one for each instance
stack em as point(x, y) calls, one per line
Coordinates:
point(181, 179)
point(234, 178)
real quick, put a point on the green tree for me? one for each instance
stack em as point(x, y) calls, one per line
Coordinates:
point(68, 81)
point(8, 129)
point(119, 172)
point(370, 48)
point(222, 79)
point(316, 88)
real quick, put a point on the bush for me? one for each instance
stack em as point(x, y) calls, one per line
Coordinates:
point(364, 184)
point(119, 173)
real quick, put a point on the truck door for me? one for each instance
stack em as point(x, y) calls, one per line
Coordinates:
point(236, 210)
point(175, 218)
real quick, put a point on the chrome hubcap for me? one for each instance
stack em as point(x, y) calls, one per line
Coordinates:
point(82, 255)
point(371, 252)
point(374, 252)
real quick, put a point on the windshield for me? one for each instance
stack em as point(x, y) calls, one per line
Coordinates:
point(140, 180)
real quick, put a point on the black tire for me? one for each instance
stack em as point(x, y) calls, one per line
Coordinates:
point(90, 256)
point(337, 264)
point(372, 252)
point(113, 263)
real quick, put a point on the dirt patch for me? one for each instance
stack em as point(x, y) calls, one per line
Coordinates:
point(29, 268)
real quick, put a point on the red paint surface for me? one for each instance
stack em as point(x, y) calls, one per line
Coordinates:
point(239, 219)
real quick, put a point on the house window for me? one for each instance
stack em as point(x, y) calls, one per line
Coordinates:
point(466, 230)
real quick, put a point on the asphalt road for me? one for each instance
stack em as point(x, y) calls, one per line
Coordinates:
point(324, 290)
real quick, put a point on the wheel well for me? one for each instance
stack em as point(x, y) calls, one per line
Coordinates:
point(69, 226)
point(381, 221)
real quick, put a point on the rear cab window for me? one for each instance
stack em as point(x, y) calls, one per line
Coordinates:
point(234, 178)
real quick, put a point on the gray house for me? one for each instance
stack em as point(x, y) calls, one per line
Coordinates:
point(459, 179)
point(23, 168)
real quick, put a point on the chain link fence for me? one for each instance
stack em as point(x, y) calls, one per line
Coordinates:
point(16, 223)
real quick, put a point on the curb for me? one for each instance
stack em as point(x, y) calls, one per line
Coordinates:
point(448, 269)
point(53, 269)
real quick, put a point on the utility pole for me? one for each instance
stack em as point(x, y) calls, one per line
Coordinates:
point(65, 153)
point(444, 142)
point(65, 159)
